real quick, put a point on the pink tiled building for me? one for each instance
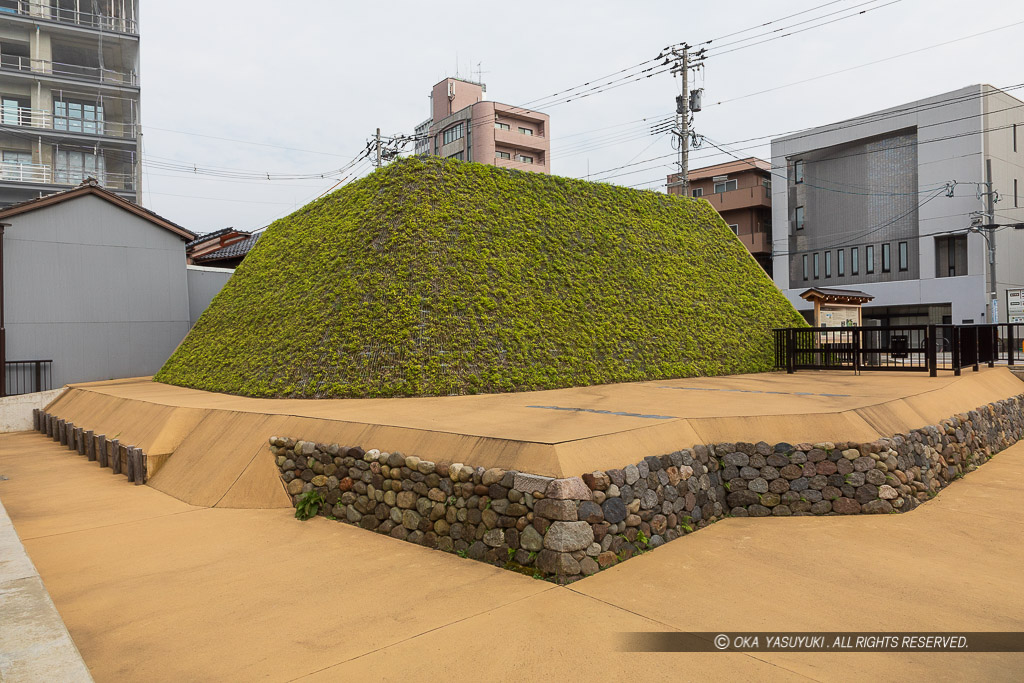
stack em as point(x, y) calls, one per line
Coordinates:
point(465, 126)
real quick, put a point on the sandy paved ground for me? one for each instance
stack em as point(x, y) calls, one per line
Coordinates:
point(154, 589)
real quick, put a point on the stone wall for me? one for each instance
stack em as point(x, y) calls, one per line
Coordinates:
point(569, 528)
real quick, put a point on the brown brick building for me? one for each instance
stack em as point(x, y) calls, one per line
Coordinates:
point(741, 192)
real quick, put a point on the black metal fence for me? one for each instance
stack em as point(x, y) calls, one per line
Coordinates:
point(924, 348)
point(26, 377)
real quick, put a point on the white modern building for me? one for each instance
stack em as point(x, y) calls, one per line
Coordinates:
point(883, 203)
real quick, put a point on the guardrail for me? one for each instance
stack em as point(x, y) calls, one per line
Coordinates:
point(94, 73)
point(41, 118)
point(925, 348)
point(40, 9)
point(26, 377)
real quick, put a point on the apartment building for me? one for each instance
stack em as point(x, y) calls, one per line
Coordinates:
point(741, 193)
point(69, 96)
point(871, 203)
point(463, 125)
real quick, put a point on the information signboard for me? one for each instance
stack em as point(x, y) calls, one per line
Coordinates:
point(1015, 305)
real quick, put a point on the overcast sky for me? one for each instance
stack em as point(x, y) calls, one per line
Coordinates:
point(310, 82)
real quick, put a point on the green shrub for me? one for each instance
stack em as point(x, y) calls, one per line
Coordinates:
point(435, 277)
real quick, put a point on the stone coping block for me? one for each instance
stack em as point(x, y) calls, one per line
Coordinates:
point(566, 529)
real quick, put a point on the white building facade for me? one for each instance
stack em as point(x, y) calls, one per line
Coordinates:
point(883, 203)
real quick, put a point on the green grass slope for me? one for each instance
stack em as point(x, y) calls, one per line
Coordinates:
point(436, 277)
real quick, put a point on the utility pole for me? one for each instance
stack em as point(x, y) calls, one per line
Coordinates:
point(378, 149)
point(990, 206)
point(683, 113)
point(686, 103)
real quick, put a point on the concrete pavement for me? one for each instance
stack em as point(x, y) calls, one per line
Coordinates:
point(152, 588)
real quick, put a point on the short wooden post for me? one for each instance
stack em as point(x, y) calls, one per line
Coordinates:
point(51, 427)
point(62, 432)
point(129, 463)
point(101, 450)
point(69, 431)
point(80, 440)
point(47, 425)
point(35, 419)
point(116, 456)
point(140, 467)
point(90, 446)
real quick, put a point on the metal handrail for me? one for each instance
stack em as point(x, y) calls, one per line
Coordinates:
point(41, 118)
point(26, 377)
point(38, 9)
point(11, 171)
point(22, 63)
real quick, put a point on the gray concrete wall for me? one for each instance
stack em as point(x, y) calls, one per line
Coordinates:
point(203, 285)
point(99, 290)
point(950, 147)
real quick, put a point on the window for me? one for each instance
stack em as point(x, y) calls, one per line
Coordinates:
point(799, 218)
point(454, 133)
point(78, 117)
point(816, 271)
point(805, 266)
point(501, 126)
point(869, 257)
point(72, 167)
point(854, 260)
point(903, 256)
point(16, 112)
point(698, 192)
point(525, 159)
point(828, 264)
point(525, 131)
point(457, 155)
point(767, 182)
point(951, 256)
point(886, 257)
point(841, 262)
point(798, 171)
point(502, 155)
point(14, 166)
point(735, 228)
point(725, 186)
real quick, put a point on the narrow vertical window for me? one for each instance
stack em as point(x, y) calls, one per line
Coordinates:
point(886, 257)
point(828, 264)
point(798, 171)
point(904, 256)
point(805, 267)
point(799, 218)
point(855, 261)
point(869, 257)
point(841, 263)
point(816, 270)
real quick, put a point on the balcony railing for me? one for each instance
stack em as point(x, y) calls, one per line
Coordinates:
point(93, 73)
point(40, 118)
point(14, 172)
point(41, 9)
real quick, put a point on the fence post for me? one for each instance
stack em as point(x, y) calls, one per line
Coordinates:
point(994, 343)
point(977, 348)
point(1011, 345)
point(101, 449)
point(80, 440)
point(932, 357)
point(35, 419)
point(790, 350)
point(955, 338)
point(90, 446)
point(62, 432)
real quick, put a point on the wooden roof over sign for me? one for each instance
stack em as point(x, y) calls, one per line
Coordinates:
point(831, 295)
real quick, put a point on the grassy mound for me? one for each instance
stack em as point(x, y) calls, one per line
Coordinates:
point(436, 277)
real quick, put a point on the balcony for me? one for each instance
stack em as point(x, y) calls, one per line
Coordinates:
point(43, 174)
point(757, 243)
point(52, 11)
point(513, 138)
point(743, 198)
point(9, 62)
point(46, 120)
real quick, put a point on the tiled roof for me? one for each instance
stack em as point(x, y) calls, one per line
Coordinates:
point(215, 233)
point(235, 250)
